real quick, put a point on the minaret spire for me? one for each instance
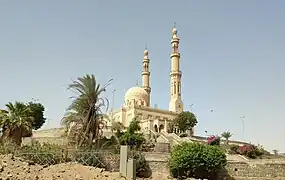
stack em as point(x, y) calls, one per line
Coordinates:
point(175, 104)
point(146, 74)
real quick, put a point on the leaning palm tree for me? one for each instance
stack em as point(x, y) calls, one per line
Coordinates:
point(227, 135)
point(85, 111)
point(15, 122)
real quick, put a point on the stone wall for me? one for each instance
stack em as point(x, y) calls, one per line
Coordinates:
point(255, 169)
point(234, 171)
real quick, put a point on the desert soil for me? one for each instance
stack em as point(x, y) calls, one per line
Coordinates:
point(13, 168)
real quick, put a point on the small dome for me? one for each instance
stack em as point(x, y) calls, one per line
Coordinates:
point(145, 52)
point(174, 31)
point(136, 95)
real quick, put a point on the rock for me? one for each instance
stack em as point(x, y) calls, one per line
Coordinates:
point(1, 168)
point(31, 163)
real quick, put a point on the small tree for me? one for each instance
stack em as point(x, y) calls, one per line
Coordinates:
point(16, 122)
point(85, 112)
point(227, 135)
point(37, 112)
point(196, 160)
point(132, 137)
point(185, 121)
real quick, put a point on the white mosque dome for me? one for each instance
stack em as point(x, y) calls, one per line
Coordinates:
point(136, 96)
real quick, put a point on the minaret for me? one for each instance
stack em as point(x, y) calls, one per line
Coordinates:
point(146, 75)
point(175, 104)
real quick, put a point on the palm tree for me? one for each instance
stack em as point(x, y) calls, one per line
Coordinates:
point(227, 135)
point(16, 122)
point(85, 112)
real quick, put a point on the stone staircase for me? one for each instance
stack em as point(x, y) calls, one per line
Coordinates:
point(174, 139)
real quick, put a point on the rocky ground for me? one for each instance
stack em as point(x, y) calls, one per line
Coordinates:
point(13, 168)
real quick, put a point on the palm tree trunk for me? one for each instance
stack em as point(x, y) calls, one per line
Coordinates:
point(85, 127)
point(12, 136)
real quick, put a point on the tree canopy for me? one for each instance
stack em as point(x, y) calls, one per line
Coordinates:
point(132, 137)
point(37, 112)
point(185, 121)
point(226, 135)
point(18, 120)
point(85, 111)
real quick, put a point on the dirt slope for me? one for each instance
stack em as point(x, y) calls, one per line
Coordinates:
point(12, 168)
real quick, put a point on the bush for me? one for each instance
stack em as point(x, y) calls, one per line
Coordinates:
point(142, 167)
point(8, 148)
point(132, 137)
point(214, 140)
point(196, 160)
point(43, 154)
point(134, 140)
point(251, 151)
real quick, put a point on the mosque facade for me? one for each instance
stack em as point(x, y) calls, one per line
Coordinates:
point(137, 100)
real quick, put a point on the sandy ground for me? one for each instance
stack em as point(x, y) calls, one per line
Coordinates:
point(12, 168)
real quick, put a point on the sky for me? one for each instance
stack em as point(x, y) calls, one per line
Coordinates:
point(232, 58)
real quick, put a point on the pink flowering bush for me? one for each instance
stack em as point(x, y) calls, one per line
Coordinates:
point(250, 151)
point(213, 140)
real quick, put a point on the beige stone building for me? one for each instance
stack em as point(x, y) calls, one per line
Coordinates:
point(137, 99)
point(136, 104)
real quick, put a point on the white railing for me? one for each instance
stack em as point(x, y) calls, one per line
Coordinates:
point(173, 138)
point(163, 136)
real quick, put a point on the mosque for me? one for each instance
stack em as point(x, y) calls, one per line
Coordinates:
point(137, 99)
point(153, 121)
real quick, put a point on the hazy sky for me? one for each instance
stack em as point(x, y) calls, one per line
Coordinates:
point(232, 57)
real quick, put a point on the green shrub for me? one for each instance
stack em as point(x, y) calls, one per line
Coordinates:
point(8, 148)
point(44, 154)
point(132, 137)
point(196, 160)
point(134, 140)
point(142, 167)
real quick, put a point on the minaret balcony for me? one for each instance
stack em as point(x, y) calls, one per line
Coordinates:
point(179, 73)
point(145, 73)
point(175, 39)
point(146, 61)
point(175, 54)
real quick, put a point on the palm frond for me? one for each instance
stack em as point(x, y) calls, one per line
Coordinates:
point(86, 108)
